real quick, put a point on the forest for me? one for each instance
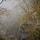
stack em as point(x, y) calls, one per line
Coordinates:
point(19, 19)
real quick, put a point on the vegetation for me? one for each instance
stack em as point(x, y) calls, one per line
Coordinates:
point(36, 34)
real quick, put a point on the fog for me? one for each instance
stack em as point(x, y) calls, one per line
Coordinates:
point(11, 11)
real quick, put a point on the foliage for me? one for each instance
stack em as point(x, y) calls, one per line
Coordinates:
point(2, 38)
point(38, 14)
point(36, 34)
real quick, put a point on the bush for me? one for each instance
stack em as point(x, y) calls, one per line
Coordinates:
point(36, 34)
point(2, 38)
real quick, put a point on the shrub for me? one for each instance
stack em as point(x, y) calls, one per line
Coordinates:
point(36, 34)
